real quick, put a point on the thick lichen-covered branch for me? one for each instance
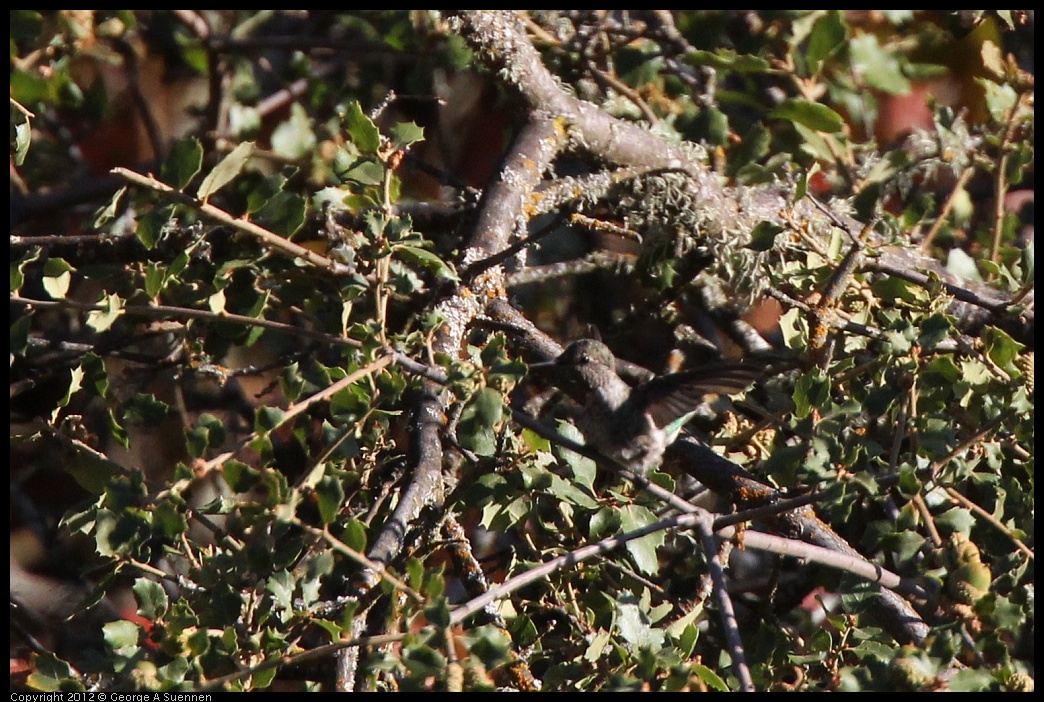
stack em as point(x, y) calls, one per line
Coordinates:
point(725, 214)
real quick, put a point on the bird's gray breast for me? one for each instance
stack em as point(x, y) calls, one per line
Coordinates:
point(629, 437)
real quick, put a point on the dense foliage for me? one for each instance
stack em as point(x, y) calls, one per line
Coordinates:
point(276, 277)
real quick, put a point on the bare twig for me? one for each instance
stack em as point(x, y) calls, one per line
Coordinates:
point(710, 544)
point(263, 235)
point(944, 211)
point(291, 412)
point(574, 557)
point(345, 550)
point(174, 312)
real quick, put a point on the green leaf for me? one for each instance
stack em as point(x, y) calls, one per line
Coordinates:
point(223, 173)
point(1000, 99)
point(267, 419)
point(109, 212)
point(182, 163)
point(207, 432)
point(811, 391)
point(877, 66)
point(905, 544)
point(155, 276)
point(971, 680)
point(934, 330)
point(284, 213)
point(101, 320)
point(642, 550)
point(438, 614)
point(802, 185)
point(961, 264)
point(117, 432)
point(96, 378)
point(1002, 349)
point(25, 26)
point(294, 138)
point(91, 471)
point(893, 288)
point(763, 236)
point(534, 442)
point(20, 334)
point(583, 468)
point(17, 269)
point(151, 225)
point(239, 476)
point(755, 145)
point(406, 133)
point(813, 144)
point(120, 634)
point(428, 260)
point(57, 277)
point(168, 521)
point(243, 121)
point(569, 492)
point(598, 645)
point(811, 114)
point(281, 585)
point(145, 410)
point(827, 36)
point(365, 172)
point(264, 191)
point(344, 158)
point(726, 59)
point(710, 125)
point(361, 129)
point(478, 421)
point(604, 522)
point(151, 597)
point(330, 494)
point(330, 199)
point(941, 371)
point(51, 674)
point(23, 138)
point(354, 536)
point(635, 627)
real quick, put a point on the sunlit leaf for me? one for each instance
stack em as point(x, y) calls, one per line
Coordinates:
point(878, 66)
point(101, 320)
point(811, 114)
point(406, 133)
point(23, 138)
point(361, 129)
point(151, 597)
point(226, 171)
point(427, 259)
point(57, 277)
point(642, 550)
point(726, 59)
point(294, 138)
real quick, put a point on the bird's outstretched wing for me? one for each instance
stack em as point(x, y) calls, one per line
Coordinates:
point(667, 398)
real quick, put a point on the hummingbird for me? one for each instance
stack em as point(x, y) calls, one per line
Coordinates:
point(635, 425)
